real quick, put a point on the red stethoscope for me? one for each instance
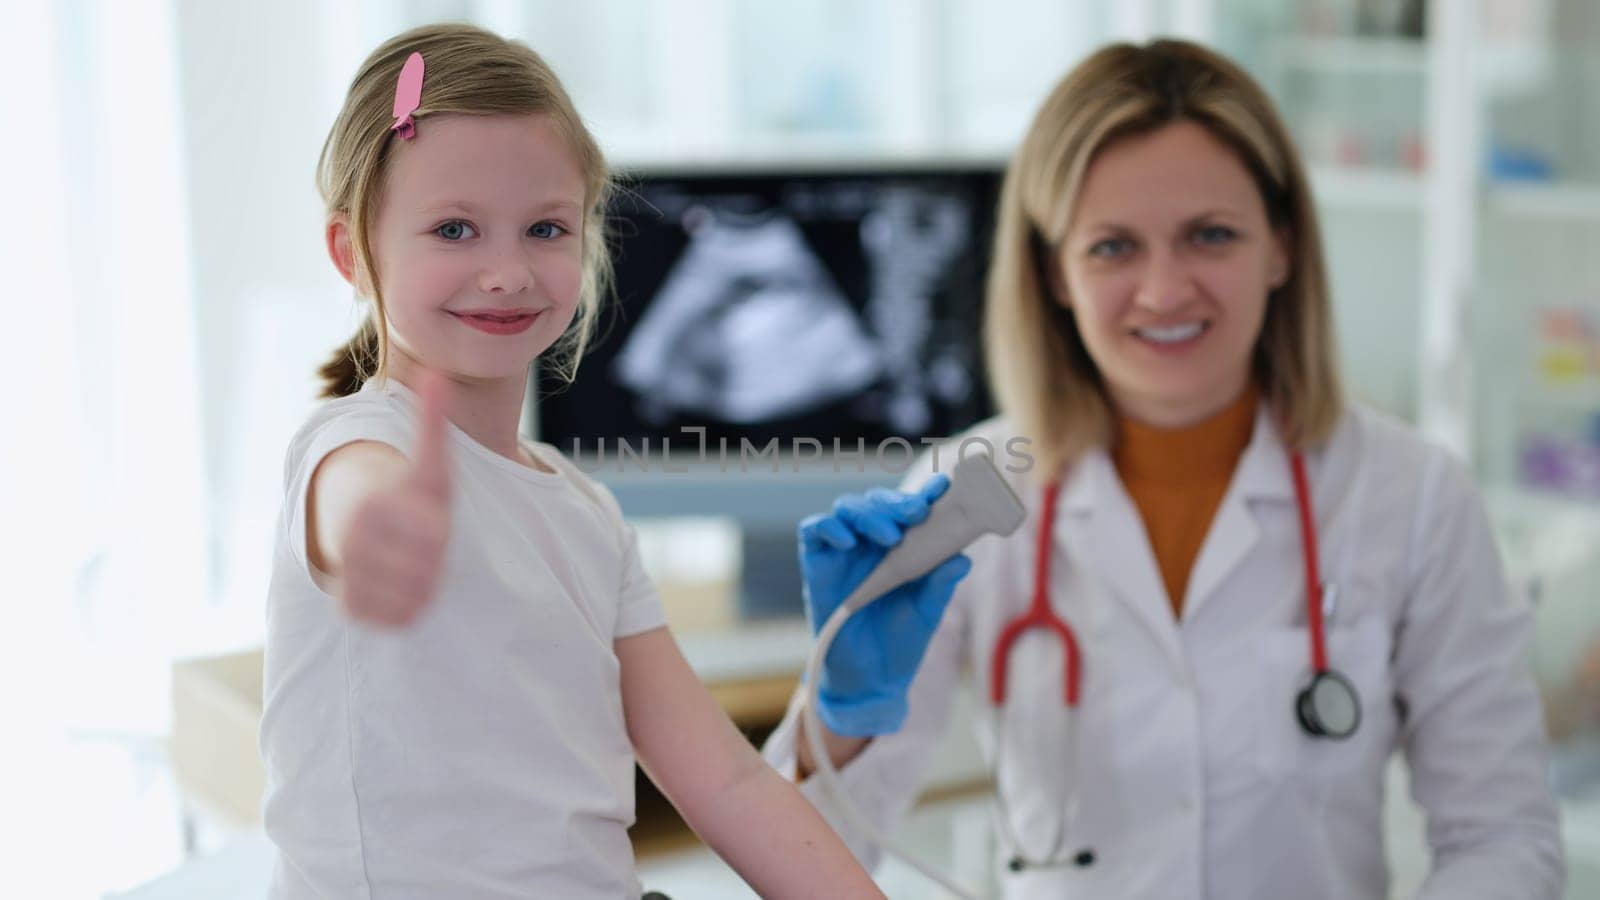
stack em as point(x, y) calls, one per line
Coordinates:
point(1327, 707)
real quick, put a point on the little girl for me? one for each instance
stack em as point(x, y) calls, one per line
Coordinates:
point(463, 653)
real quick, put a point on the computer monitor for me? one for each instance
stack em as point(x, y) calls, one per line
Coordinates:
point(779, 304)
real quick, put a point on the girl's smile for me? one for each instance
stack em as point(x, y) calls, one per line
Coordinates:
point(498, 321)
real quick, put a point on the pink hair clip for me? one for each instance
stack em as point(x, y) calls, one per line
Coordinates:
point(407, 97)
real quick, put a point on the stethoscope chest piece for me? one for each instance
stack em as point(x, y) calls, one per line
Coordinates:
point(1329, 706)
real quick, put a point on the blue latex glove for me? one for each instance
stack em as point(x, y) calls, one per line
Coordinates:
point(871, 663)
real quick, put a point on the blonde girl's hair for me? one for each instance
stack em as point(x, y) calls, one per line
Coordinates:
point(467, 70)
point(1038, 365)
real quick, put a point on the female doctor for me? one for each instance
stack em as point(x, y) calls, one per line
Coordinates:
point(1268, 589)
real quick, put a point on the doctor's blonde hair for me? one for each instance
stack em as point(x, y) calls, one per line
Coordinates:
point(471, 71)
point(1038, 366)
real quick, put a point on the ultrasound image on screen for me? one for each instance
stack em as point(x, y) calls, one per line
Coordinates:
point(828, 306)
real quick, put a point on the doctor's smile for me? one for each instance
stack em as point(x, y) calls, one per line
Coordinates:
point(1171, 335)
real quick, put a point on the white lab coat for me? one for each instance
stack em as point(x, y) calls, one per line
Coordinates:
point(1194, 778)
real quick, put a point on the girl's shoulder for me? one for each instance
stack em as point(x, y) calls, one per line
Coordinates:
point(371, 402)
point(368, 414)
point(584, 484)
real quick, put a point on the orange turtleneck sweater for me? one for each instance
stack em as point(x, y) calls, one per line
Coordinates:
point(1177, 478)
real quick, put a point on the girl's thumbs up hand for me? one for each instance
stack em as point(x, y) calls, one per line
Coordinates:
point(395, 546)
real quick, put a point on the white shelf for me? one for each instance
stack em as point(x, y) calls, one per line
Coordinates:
point(1338, 187)
point(1562, 202)
point(1582, 396)
point(1353, 55)
point(1515, 506)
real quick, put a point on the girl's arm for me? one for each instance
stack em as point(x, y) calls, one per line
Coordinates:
point(755, 820)
point(379, 523)
point(339, 487)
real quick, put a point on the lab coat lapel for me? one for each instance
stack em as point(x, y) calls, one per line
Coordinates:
point(1262, 476)
point(1102, 523)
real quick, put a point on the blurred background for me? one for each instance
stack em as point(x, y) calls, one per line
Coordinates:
point(816, 176)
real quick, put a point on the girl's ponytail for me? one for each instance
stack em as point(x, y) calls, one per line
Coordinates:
point(351, 365)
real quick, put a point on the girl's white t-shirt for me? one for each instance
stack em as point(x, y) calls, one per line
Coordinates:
point(480, 752)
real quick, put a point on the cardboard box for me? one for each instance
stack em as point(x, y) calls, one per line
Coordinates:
point(216, 721)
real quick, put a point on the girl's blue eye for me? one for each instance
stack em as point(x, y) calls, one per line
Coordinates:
point(547, 230)
point(1110, 247)
point(1215, 234)
point(453, 231)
